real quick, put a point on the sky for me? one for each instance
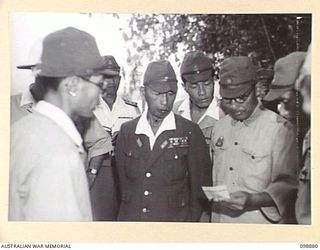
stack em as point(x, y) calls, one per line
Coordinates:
point(27, 29)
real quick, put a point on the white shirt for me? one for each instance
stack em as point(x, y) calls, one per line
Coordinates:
point(212, 110)
point(113, 119)
point(143, 127)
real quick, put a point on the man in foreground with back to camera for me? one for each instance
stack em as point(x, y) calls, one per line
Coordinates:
point(47, 173)
point(254, 153)
point(162, 158)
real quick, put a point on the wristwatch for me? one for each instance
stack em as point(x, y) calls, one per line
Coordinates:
point(92, 171)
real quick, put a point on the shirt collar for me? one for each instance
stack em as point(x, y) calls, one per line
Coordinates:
point(212, 110)
point(143, 126)
point(26, 98)
point(61, 118)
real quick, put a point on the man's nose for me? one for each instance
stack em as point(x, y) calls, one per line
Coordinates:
point(163, 99)
point(201, 89)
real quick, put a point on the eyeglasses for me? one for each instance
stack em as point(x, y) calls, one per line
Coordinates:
point(101, 84)
point(239, 99)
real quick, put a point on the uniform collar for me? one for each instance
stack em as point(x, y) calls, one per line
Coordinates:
point(212, 110)
point(255, 114)
point(143, 126)
point(103, 104)
point(61, 119)
point(27, 98)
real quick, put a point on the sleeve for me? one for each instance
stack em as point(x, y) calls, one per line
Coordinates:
point(200, 172)
point(120, 158)
point(96, 140)
point(284, 167)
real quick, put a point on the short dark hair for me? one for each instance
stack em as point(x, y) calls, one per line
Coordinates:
point(43, 84)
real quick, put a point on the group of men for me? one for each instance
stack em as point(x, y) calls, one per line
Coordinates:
point(80, 152)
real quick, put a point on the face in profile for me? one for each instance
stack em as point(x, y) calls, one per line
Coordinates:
point(287, 105)
point(87, 96)
point(159, 104)
point(200, 93)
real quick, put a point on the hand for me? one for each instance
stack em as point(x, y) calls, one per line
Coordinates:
point(238, 201)
point(91, 179)
point(114, 138)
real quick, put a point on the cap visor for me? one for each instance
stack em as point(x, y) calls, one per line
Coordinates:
point(26, 66)
point(201, 77)
point(227, 92)
point(163, 87)
point(274, 94)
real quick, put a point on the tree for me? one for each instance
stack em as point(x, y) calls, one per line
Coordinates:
point(264, 37)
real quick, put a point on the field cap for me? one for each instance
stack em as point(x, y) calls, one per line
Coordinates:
point(237, 75)
point(160, 77)
point(196, 67)
point(70, 52)
point(111, 66)
point(286, 70)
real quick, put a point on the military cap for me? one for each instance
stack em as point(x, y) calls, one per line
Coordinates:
point(112, 67)
point(196, 67)
point(69, 52)
point(160, 77)
point(237, 75)
point(286, 71)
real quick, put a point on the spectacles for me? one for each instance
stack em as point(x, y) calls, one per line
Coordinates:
point(101, 84)
point(239, 99)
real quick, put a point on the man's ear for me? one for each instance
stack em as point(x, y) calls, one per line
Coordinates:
point(72, 85)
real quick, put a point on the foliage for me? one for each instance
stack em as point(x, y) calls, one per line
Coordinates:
point(264, 37)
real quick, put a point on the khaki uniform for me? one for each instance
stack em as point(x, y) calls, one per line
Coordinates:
point(206, 122)
point(256, 155)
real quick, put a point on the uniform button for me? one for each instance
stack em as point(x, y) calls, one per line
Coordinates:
point(236, 143)
point(146, 193)
point(148, 174)
point(145, 210)
point(231, 168)
point(252, 157)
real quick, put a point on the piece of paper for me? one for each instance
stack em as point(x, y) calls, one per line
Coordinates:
point(216, 192)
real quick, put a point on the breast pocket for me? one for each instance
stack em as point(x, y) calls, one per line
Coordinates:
point(132, 163)
point(256, 169)
point(176, 162)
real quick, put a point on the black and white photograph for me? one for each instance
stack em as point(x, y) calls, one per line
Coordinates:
point(160, 117)
point(147, 123)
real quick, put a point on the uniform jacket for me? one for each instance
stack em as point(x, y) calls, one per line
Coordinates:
point(47, 174)
point(122, 111)
point(163, 184)
point(256, 155)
